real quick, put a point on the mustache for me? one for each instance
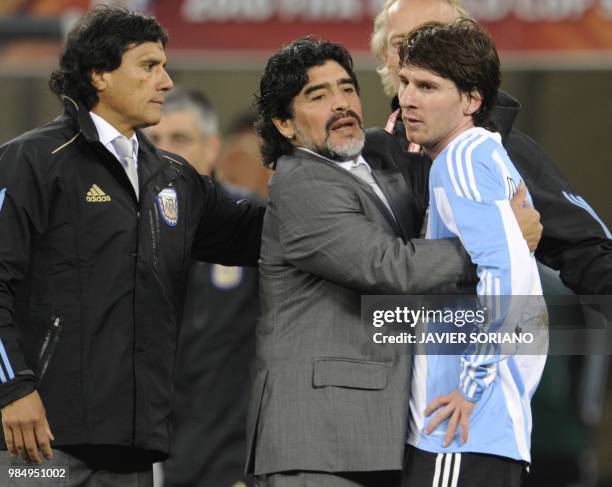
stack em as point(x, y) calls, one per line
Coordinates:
point(341, 115)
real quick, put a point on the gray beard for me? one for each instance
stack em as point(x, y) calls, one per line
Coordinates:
point(336, 152)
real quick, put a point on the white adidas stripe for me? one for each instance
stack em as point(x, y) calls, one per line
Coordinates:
point(436, 478)
point(456, 470)
point(447, 466)
point(463, 156)
point(581, 202)
point(451, 172)
point(450, 474)
point(470, 168)
point(504, 170)
point(458, 159)
point(449, 157)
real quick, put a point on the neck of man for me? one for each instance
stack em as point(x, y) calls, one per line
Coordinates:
point(434, 150)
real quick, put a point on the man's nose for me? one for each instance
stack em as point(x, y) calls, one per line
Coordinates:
point(341, 102)
point(406, 96)
point(166, 83)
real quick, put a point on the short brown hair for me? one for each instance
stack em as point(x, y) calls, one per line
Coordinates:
point(462, 52)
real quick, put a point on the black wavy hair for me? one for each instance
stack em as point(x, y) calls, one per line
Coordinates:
point(97, 43)
point(462, 52)
point(285, 75)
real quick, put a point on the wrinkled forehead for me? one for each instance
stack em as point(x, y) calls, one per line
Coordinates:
point(327, 74)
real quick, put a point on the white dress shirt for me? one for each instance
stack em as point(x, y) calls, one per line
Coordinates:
point(107, 133)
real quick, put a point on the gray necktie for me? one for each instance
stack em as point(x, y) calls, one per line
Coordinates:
point(125, 151)
point(363, 173)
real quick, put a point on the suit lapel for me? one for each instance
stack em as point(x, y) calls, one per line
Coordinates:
point(366, 187)
point(394, 186)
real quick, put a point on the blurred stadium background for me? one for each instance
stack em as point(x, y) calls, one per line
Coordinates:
point(556, 54)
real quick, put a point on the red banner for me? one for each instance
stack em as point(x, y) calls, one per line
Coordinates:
point(264, 25)
point(246, 26)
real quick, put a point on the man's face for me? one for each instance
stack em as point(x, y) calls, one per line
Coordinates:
point(179, 132)
point(327, 116)
point(131, 96)
point(433, 110)
point(403, 17)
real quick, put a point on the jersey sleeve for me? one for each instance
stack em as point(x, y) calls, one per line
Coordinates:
point(473, 187)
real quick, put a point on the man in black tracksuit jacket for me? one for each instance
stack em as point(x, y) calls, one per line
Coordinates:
point(92, 273)
point(574, 241)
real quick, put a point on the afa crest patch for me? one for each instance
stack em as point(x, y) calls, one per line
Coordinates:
point(167, 202)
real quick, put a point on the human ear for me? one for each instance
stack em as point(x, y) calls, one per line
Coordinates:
point(473, 102)
point(285, 127)
point(99, 80)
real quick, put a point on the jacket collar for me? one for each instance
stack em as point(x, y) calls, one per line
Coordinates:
point(77, 112)
point(505, 112)
point(80, 117)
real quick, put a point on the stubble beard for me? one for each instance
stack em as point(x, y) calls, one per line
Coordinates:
point(339, 152)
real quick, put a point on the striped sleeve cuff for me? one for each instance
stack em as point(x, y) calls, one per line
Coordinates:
point(478, 371)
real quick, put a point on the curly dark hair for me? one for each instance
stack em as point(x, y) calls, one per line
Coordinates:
point(97, 43)
point(462, 52)
point(285, 75)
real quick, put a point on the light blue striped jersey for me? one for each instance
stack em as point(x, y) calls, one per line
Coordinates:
point(470, 185)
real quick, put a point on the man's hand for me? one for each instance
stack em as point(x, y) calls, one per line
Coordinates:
point(527, 217)
point(455, 406)
point(26, 429)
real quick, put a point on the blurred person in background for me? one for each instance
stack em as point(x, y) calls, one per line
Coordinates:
point(217, 338)
point(575, 241)
point(189, 127)
point(239, 163)
point(97, 227)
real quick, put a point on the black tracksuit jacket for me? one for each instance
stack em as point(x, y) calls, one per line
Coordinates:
point(574, 242)
point(92, 278)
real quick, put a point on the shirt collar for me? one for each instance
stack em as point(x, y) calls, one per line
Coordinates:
point(107, 133)
point(349, 165)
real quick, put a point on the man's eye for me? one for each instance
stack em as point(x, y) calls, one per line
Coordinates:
point(317, 97)
point(349, 89)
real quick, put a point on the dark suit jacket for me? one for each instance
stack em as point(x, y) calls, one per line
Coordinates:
point(325, 397)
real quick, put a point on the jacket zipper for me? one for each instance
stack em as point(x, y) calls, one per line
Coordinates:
point(136, 250)
point(47, 348)
point(138, 230)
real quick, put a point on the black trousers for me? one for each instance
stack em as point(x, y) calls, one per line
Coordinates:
point(424, 469)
